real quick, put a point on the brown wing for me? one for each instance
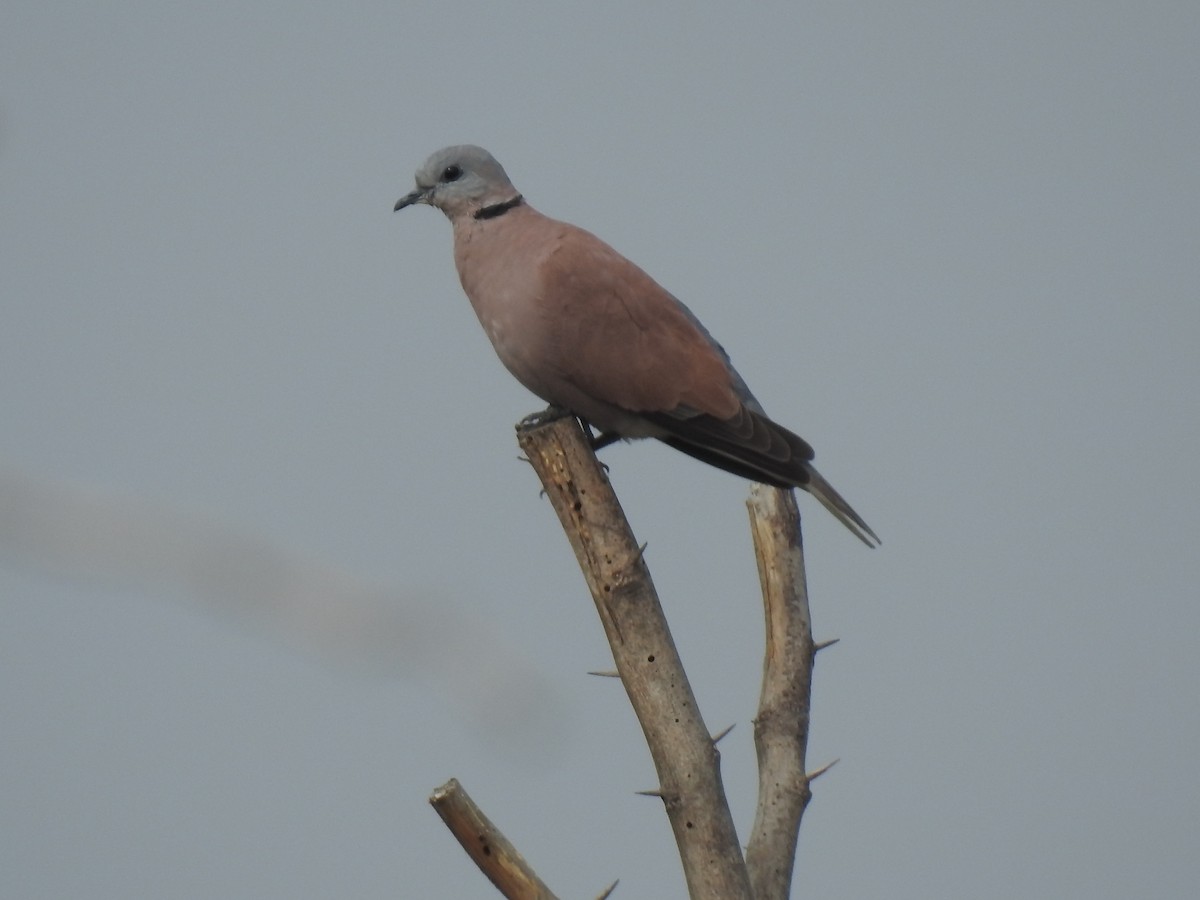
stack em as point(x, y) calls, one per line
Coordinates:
point(623, 339)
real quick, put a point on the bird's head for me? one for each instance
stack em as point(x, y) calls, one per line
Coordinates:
point(461, 180)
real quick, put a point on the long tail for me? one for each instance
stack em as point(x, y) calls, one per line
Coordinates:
point(751, 445)
point(843, 511)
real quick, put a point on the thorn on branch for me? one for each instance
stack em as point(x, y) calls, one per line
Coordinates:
point(655, 793)
point(817, 773)
point(720, 734)
point(821, 645)
point(607, 673)
point(608, 890)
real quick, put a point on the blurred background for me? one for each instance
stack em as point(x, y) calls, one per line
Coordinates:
point(271, 571)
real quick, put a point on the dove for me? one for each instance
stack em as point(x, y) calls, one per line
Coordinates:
point(593, 335)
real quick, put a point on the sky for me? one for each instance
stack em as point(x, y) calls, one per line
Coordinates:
point(271, 570)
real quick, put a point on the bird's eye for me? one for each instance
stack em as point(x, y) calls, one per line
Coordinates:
point(451, 173)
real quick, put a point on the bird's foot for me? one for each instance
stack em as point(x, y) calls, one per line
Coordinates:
point(553, 413)
point(550, 414)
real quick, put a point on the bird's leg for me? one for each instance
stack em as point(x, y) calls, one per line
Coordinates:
point(603, 439)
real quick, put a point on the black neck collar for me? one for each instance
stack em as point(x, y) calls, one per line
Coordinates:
point(498, 209)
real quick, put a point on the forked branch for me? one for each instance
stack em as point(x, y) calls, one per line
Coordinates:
point(685, 755)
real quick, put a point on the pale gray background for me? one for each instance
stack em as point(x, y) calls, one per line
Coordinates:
point(258, 464)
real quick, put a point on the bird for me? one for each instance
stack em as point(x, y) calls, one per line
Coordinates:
point(589, 332)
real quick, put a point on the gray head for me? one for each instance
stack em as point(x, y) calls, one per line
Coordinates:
point(460, 180)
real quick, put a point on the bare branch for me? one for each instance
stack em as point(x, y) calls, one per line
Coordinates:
point(781, 726)
point(685, 758)
point(496, 857)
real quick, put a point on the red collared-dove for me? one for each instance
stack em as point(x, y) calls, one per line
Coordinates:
point(589, 332)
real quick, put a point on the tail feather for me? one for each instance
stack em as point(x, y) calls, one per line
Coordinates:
point(752, 446)
point(843, 511)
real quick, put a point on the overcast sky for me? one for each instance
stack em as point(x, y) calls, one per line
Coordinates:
point(271, 571)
